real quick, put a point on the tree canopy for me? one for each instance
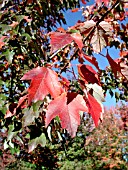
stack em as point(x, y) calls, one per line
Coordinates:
point(43, 94)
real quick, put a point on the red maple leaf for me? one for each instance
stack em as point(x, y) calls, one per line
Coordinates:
point(94, 108)
point(43, 81)
point(92, 60)
point(59, 40)
point(68, 113)
point(88, 74)
point(115, 66)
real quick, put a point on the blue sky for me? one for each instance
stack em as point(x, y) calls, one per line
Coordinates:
point(71, 19)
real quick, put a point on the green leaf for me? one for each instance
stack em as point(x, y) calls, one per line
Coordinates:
point(9, 55)
point(28, 37)
point(74, 31)
point(19, 17)
point(36, 106)
point(34, 142)
point(4, 28)
point(11, 134)
point(117, 96)
point(42, 140)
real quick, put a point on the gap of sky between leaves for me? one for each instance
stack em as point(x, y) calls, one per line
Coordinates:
point(71, 19)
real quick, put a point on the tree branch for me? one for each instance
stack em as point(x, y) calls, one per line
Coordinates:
point(91, 31)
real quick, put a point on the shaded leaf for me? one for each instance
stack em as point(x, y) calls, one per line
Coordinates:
point(98, 41)
point(9, 55)
point(65, 82)
point(37, 141)
point(31, 114)
point(85, 27)
point(115, 66)
point(4, 28)
point(88, 74)
point(92, 60)
point(11, 134)
point(11, 110)
point(13, 107)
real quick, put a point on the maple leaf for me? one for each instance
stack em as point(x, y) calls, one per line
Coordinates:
point(43, 81)
point(100, 37)
point(123, 65)
point(94, 108)
point(41, 140)
point(68, 113)
point(92, 60)
point(88, 74)
point(106, 26)
point(30, 114)
point(59, 40)
point(97, 40)
point(98, 94)
point(115, 66)
point(85, 27)
point(60, 29)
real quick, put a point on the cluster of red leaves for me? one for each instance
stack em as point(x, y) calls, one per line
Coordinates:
point(45, 81)
point(65, 104)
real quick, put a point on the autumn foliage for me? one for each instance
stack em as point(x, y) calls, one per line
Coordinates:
point(43, 90)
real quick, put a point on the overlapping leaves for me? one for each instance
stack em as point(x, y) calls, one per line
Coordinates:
point(45, 81)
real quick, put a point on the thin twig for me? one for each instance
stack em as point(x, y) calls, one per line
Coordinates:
point(102, 55)
point(71, 57)
point(58, 51)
